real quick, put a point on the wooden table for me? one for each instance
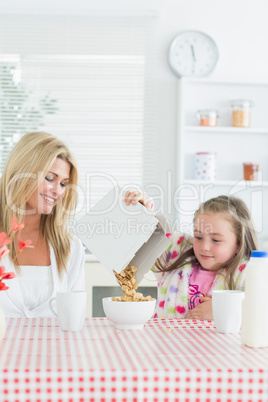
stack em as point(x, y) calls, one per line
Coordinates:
point(169, 360)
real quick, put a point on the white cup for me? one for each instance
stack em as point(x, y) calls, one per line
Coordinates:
point(71, 309)
point(227, 310)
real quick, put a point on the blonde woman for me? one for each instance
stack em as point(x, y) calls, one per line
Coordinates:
point(38, 186)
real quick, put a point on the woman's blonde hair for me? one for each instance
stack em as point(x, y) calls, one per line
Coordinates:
point(236, 212)
point(26, 167)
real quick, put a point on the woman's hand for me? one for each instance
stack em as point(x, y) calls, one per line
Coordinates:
point(132, 197)
point(202, 311)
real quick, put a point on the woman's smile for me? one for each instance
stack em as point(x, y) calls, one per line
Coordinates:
point(50, 200)
point(52, 189)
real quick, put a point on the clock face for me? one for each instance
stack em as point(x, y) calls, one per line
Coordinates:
point(193, 54)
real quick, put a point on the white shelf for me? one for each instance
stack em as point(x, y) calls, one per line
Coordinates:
point(232, 130)
point(233, 145)
point(222, 81)
point(241, 183)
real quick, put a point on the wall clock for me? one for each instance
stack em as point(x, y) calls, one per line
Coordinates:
point(193, 54)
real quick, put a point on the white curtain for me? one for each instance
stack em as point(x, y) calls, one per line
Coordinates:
point(90, 81)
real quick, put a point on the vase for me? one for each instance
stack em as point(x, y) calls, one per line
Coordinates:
point(2, 324)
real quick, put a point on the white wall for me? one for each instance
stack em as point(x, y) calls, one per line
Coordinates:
point(238, 26)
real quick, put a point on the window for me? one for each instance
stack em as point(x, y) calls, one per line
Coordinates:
point(89, 80)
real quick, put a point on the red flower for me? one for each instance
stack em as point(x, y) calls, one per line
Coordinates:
point(3, 275)
point(15, 226)
point(4, 251)
point(7, 275)
point(24, 244)
point(3, 239)
point(3, 286)
point(168, 235)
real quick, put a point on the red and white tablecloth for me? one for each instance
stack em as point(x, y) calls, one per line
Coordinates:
point(169, 360)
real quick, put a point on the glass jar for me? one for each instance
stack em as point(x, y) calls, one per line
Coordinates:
point(207, 117)
point(241, 112)
point(250, 171)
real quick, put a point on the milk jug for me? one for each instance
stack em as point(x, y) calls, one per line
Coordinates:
point(254, 329)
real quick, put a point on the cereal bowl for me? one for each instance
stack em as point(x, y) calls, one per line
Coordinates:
point(128, 315)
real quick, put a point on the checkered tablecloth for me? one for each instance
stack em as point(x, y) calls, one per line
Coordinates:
point(169, 360)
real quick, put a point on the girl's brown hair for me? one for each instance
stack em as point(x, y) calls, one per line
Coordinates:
point(236, 212)
point(26, 167)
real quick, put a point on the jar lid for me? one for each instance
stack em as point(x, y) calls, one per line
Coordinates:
point(206, 153)
point(250, 163)
point(259, 254)
point(241, 103)
point(206, 113)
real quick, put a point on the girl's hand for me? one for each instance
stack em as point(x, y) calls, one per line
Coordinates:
point(132, 197)
point(205, 298)
point(202, 311)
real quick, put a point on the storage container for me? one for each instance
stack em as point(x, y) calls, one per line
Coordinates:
point(207, 117)
point(241, 109)
point(205, 166)
point(250, 171)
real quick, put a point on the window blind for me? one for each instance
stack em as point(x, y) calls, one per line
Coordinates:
point(89, 80)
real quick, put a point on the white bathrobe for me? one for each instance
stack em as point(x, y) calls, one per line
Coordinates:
point(11, 300)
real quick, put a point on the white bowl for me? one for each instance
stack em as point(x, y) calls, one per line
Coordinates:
point(128, 315)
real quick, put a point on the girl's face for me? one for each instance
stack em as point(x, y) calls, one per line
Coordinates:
point(51, 190)
point(214, 240)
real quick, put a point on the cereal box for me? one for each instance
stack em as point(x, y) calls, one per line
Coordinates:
point(119, 235)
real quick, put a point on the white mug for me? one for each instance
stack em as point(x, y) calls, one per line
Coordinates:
point(227, 310)
point(71, 309)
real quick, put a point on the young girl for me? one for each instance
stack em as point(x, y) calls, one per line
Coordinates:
point(215, 258)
